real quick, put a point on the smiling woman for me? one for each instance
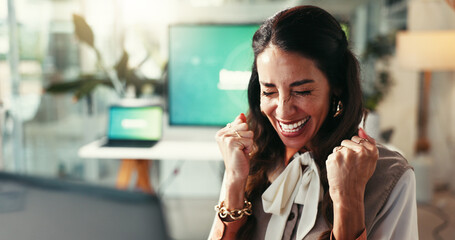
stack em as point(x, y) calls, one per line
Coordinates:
point(298, 166)
point(295, 96)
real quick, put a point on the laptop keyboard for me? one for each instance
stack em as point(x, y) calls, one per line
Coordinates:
point(132, 144)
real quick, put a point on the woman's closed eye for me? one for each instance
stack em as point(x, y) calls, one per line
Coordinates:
point(302, 93)
point(268, 93)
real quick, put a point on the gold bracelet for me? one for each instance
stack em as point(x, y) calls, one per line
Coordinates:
point(235, 214)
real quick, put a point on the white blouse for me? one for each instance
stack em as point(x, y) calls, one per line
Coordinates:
point(398, 218)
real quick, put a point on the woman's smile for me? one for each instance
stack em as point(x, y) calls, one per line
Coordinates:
point(293, 128)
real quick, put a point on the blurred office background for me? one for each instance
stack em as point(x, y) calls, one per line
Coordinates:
point(41, 132)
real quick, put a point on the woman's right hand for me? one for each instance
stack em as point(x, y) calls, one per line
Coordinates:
point(236, 143)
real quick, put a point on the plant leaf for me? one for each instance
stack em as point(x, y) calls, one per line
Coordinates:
point(83, 31)
point(64, 87)
point(107, 83)
point(86, 89)
point(122, 66)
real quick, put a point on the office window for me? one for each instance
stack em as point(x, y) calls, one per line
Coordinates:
point(42, 132)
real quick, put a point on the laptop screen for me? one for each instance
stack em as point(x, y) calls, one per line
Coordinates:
point(135, 123)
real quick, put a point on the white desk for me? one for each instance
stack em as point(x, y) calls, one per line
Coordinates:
point(163, 150)
point(135, 159)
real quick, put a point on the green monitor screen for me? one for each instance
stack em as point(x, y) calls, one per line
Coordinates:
point(209, 69)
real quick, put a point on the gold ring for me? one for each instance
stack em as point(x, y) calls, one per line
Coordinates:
point(338, 148)
point(363, 140)
point(237, 133)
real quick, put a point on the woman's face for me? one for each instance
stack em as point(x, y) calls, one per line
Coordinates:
point(294, 95)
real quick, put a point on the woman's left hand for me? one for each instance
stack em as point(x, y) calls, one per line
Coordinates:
point(350, 166)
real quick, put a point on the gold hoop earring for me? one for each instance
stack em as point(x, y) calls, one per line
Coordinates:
point(339, 109)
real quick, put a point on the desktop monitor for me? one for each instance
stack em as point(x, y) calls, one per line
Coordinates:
point(209, 70)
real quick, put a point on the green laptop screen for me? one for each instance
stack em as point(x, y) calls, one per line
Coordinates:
point(209, 71)
point(135, 123)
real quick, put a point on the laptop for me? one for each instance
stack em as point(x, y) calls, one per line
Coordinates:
point(50, 209)
point(134, 126)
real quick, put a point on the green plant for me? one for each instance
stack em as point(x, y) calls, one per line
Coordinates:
point(118, 77)
point(380, 88)
point(379, 49)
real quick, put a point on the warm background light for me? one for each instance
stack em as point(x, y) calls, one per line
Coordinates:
point(426, 50)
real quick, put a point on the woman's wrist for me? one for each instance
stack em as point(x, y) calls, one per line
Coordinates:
point(235, 196)
point(349, 218)
point(353, 196)
point(236, 176)
point(235, 192)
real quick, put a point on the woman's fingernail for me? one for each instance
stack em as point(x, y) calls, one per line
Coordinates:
point(243, 117)
point(365, 135)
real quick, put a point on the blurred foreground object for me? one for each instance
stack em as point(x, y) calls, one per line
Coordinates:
point(44, 208)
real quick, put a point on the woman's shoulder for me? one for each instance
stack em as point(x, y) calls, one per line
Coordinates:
point(390, 163)
point(390, 168)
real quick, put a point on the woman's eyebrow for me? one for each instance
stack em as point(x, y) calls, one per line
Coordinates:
point(271, 85)
point(301, 82)
point(294, 84)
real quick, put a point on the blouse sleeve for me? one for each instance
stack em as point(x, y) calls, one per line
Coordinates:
point(225, 230)
point(398, 218)
point(363, 236)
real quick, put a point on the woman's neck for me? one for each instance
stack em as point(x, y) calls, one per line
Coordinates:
point(290, 152)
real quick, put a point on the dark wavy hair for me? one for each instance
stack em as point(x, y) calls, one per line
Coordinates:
point(314, 34)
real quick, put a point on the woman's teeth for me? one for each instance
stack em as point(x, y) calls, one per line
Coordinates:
point(294, 127)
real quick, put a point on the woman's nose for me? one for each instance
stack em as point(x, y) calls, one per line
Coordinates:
point(285, 107)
